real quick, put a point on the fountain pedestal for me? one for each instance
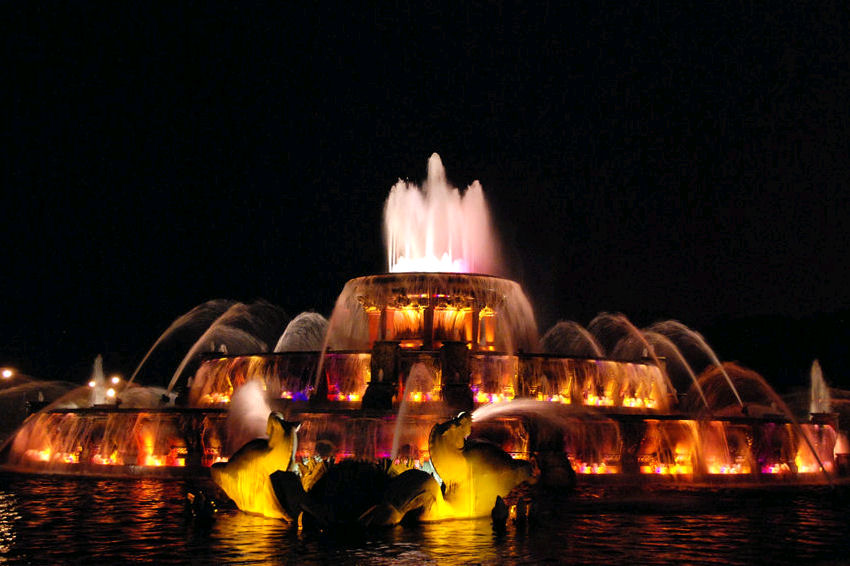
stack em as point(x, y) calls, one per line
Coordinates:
point(384, 369)
point(454, 359)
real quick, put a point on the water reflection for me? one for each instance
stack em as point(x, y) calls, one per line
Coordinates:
point(58, 520)
point(8, 517)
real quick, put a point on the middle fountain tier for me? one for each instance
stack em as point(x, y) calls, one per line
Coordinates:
point(404, 351)
point(455, 339)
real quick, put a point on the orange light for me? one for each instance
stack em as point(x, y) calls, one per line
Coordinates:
point(557, 398)
point(481, 397)
point(639, 402)
point(728, 469)
point(603, 401)
point(667, 469)
point(216, 398)
point(595, 468)
point(110, 460)
point(38, 455)
point(807, 463)
point(151, 460)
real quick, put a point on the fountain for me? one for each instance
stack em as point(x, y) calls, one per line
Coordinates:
point(402, 354)
point(820, 397)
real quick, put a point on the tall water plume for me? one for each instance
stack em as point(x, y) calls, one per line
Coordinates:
point(98, 382)
point(820, 401)
point(436, 228)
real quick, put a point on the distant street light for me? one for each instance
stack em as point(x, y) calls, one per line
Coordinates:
point(7, 373)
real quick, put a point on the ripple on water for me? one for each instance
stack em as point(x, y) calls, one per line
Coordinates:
point(58, 520)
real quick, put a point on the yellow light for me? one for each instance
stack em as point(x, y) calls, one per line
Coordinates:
point(216, 398)
point(728, 469)
point(110, 393)
point(506, 395)
point(562, 398)
point(110, 460)
point(151, 460)
point(38, 455)
point(804, 464)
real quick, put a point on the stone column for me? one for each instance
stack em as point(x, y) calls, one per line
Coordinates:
point(384, 368)
point(454, 361)
point(428, 328)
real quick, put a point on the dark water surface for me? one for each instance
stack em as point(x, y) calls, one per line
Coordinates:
point(59, 520)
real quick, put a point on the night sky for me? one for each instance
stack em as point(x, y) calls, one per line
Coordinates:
point(656, 161)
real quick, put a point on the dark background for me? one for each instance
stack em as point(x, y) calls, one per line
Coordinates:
point(660, 161)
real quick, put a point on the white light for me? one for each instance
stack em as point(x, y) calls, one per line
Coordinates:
point(91, 383)
point(115, 379)
point(7, 373)
point(110, 393)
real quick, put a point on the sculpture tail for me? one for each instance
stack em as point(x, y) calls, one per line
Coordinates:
point(381, 515)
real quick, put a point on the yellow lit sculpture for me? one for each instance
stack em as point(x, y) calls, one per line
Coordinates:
point(474, 473)
point(245, 477)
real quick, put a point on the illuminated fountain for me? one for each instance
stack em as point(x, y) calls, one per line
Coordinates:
point(404, 351)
